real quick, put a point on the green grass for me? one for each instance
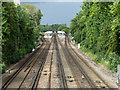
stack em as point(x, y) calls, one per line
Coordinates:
point(110, 61)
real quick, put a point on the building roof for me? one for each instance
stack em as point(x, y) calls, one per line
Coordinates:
point(48, 32)
point(60, 32)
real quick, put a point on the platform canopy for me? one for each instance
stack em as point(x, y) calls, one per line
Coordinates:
point(59, 32)
point(48, 32)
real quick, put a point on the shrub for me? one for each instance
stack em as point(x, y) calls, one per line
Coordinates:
point(113, 60)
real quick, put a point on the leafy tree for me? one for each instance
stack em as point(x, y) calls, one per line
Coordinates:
point(66, 30)
point(19, 31)
point(61, 27)
point(97, 28)
point(54, 27)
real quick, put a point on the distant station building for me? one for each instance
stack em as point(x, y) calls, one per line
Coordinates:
point(54, 31)
point(48, 35)
point(61, 34)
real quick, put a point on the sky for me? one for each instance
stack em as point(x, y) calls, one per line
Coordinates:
point(50, 0)
point(57, 12)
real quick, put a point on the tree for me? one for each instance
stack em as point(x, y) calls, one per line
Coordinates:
point(19, 31)
point(97, 28)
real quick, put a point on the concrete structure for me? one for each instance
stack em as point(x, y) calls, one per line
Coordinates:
point(61, 34)
point(54, 31)
point(48, 35)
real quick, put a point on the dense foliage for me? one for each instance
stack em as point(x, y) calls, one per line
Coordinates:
point(0, 39)
point(54, 27)
point(97, 29)
point(20, 30)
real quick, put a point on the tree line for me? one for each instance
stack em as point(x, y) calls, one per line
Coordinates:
point(54, 27)
point(20, 31)
point(97, 28)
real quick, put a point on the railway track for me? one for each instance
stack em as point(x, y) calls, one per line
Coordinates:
point(60, 66)
point(30, 76)
point(78, 71)
point(42, 39)
point(44, 73)
point(37, 77)
point(29, 73)
point(70, 80)
point(94, 80)
point(24, 69)
point(37, 71)
point(77, 74)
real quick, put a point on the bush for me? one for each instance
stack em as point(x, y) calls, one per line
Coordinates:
point(110, 61)
point(113, 60)
point(2, 66)
point(83, 48)
point(22, 52)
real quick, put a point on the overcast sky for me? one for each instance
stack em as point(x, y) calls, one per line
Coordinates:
point(57, 12)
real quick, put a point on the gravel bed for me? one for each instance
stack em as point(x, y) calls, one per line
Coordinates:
point(107, 75)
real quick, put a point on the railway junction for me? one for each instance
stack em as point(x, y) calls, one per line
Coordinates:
point(55, 63)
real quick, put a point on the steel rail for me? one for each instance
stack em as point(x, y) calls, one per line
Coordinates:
point(88, 65)
point(38, 74)
point(10, 79)
point(79, 67)
point(49, 83)
point(41, 53)
point(61, 70)
point(68, 58)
